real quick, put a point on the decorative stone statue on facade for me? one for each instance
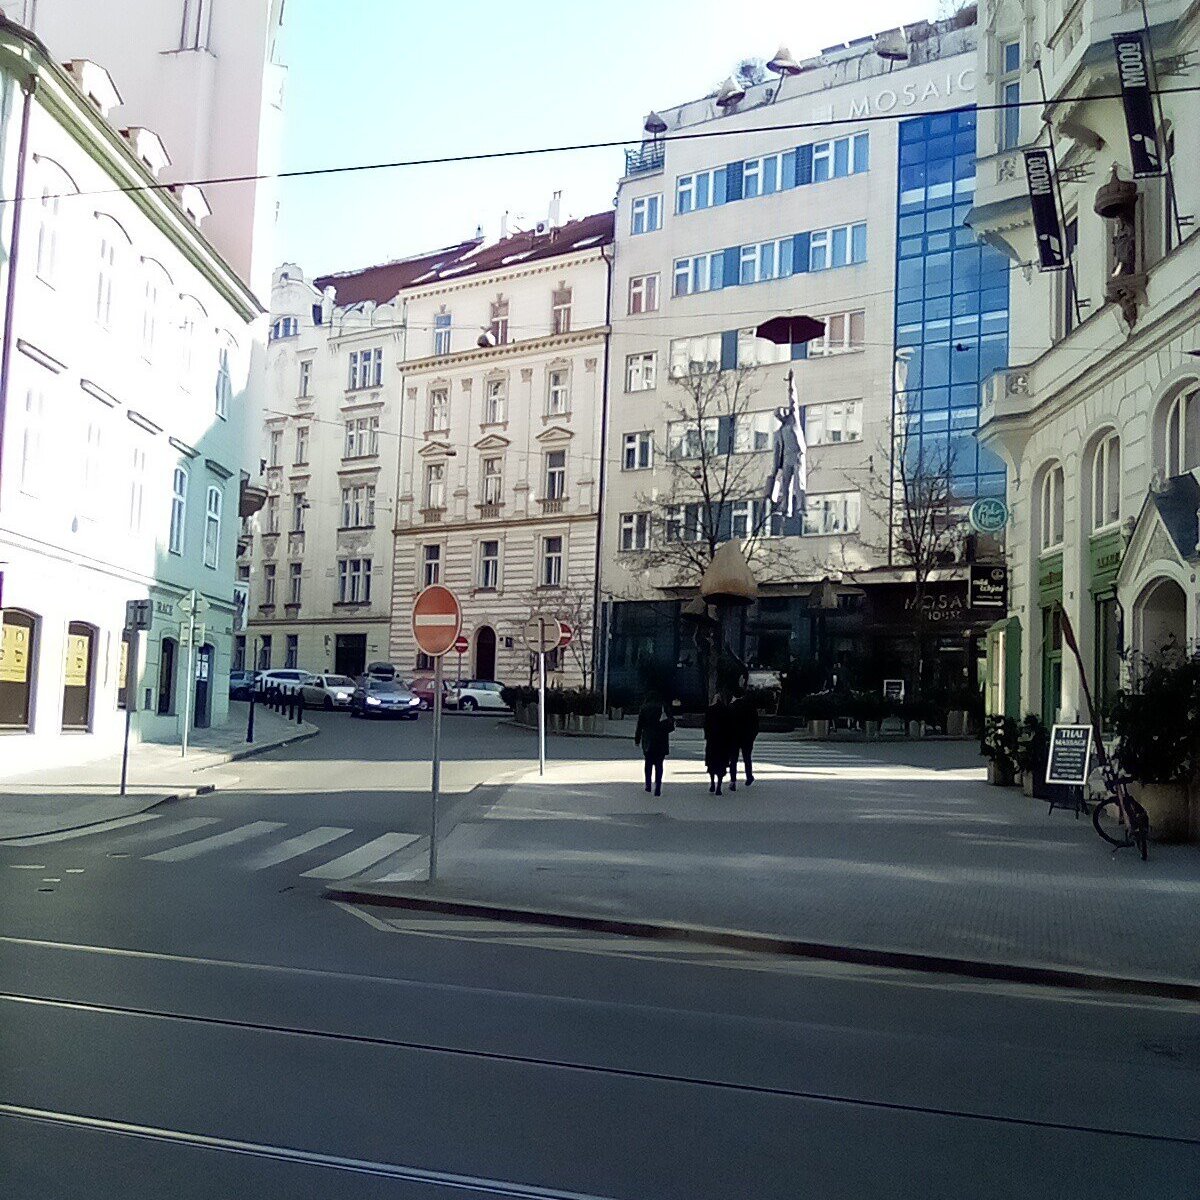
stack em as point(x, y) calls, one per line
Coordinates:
point(1116, 201)
point(786, 484)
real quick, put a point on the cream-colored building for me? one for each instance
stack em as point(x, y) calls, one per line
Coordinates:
point(1098, 417)
point(501, 442)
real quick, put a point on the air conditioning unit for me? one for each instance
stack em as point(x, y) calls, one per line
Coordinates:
point(542, 227)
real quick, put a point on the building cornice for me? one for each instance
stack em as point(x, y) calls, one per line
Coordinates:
point(24, 56)
point(437, 528)
point(510, 350)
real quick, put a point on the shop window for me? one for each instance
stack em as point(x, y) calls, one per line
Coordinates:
point(18, 643)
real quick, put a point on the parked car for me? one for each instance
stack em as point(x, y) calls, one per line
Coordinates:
point(422, 688)
point(384, 698)
point(328, 691)
point(287, 678)
point(240, 684)
point(380, 670)
point(480, 693)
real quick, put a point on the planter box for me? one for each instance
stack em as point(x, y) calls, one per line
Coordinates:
point(956, 723)
point(1167, 806)
point(871, 728)
point(1027, 783)
point(996, 777)
point(819, 729)
point(916, 729)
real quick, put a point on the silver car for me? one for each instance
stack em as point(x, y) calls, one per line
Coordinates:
point(383, 698)
point(328, 692)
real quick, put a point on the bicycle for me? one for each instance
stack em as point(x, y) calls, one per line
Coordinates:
point(1119, 819)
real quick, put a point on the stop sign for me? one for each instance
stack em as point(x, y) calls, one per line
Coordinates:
point(566, 636)
point(436, 620)
point(461, 644)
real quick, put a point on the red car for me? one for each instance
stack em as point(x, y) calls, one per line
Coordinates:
point(422, 688)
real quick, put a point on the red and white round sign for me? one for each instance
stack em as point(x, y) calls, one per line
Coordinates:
point(436, 620)
point(461, 644)
point(566, 636)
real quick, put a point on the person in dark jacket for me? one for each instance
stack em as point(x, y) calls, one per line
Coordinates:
point(653, 734)
point(743, 714)
point(718, 743)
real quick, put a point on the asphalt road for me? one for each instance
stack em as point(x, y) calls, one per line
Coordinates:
point(182, 1015)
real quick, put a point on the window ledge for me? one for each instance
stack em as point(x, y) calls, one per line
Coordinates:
point(556, 416)
point(493, 424)
point(352, 604)
point(354, 528)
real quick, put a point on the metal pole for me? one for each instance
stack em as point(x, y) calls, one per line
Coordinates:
point(542, 703)
point(130, 700)
point(608, 607)
point(190, 682)
point(253, 690)
point(437, 767)
point(125, 748)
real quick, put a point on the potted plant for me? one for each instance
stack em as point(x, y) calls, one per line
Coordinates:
point(871, 708)
point(1157, 724)
point(1033, 752)
point(820, 710)
point(999, 747)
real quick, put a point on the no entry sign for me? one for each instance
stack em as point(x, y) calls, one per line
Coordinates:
point(566, 635)
point(436, 620)
point(461, 645)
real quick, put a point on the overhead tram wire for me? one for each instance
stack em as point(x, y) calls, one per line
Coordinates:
point(573, 147)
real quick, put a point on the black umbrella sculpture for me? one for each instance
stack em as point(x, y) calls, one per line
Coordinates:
point(790, 331)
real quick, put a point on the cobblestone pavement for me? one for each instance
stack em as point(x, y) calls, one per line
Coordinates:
point(890, 846)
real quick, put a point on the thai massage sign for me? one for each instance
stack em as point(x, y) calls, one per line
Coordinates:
point(1070, 748)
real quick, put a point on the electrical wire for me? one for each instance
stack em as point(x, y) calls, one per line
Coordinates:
point(572, 147)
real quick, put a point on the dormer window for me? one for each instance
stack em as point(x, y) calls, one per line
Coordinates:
point(285, 327)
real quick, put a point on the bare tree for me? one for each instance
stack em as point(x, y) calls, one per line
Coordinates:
point(573, 604)
point(715, 486)
point(922, 519)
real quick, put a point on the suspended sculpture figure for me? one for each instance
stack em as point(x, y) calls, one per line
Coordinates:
point(787, 482)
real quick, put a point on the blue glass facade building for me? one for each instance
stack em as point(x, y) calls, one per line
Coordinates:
point(951, 304)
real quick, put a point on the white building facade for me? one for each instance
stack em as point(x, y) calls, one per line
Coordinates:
point(842, 196)
point(1099, 417)
point(501, 443)
point(126, 352)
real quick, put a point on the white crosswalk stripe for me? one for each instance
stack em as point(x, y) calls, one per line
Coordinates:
point(294, 847)
point(215, 842)
point(363, 858)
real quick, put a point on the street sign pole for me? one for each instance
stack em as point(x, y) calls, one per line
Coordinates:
point(190, 681)
point(130, 701)
point(253, 687)
point(542, 712)
point(437, 767)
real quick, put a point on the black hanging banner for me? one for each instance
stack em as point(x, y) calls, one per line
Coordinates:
point(1133, 70)
point(1052, 251)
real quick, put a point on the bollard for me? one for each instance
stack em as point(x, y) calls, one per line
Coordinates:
point(300, 705)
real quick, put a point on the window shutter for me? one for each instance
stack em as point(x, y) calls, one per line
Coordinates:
point(729, 341)
point(733, 181)
point(803, 164)
point(731, 272)
point(799, 253)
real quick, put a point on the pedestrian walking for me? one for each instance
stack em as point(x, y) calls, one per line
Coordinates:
point(653, 734)
point(743, 713)
point(717, 742)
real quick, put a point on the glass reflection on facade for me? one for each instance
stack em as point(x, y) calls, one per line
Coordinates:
point(951, 305)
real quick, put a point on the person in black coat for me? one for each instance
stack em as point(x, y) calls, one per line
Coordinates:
point(718, 742)
point(653, 734)
point(743, 714)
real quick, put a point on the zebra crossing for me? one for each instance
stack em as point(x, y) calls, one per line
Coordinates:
point(327, 853)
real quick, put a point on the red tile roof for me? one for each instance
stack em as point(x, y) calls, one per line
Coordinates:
point(383, 283)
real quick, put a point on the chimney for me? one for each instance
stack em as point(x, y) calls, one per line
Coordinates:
point(327, 298)
point(504, 225)
point(554, 216)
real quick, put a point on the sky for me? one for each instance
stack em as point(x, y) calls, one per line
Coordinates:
point(382, 80)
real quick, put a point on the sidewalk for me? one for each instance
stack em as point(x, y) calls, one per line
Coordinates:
point(61, 798)
point(889, 847)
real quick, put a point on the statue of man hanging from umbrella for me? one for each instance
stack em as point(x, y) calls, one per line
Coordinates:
point(786, 483)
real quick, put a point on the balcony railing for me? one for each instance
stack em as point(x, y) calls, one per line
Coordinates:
point(646, 158)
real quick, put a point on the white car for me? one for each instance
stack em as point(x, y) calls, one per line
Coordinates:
point(476, 694)
point(287, 678)
point(328, 691)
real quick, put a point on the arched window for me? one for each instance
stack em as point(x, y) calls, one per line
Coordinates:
point(156, 295)
point(1181, 439)
point(112, 245)
point(18, 646)
point(179, 488)
point(212, 526)
point(53, 183)
point(224, 385)
point(192, 319)
point(1052, 509)
point(1106, 482)
point(78, 674)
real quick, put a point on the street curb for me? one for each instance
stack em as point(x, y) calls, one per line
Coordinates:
point(784, 739)
point(763, 943)
point(252, 750)
point(204, 789)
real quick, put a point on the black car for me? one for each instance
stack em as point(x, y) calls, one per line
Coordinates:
point(383, 698)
